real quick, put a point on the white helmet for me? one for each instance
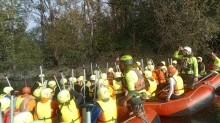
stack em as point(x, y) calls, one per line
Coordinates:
point(92, 78)
point(188, 49)
point(81, 78)
point(52, 84)
point(110, 70)
point(63, 81)
point(103, 93)
point(149, 67)
point(117, 75)
point(138, 63)
point(149, 62)
point(147, 73)
point(7, 90)
point(174, 62)
point(36, 92)
point(23, 117)
point(163, 62)
point(72, 79)
point(45, 93)
point(63, 96)
point(5, 103)
point(104, 76)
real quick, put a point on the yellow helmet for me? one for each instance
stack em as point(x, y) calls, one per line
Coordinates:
point(127, 59)
point(103, 93)
point(147, 73)
point(149, 62)
point(23, 117)
point(104, 76)
point(199, 58)
point(104, 82)
point(45, 93)
point(110, 70)
point(36, 92)
point(52, 84)
point(117, 75)
point(73, 79)
point(7, 90)
point(63, 81)
point(149, 67)
point(38, 121)
point(63, 96)
point(92, 77)
point(5, 103)
point(138, 63)
point(81, 78)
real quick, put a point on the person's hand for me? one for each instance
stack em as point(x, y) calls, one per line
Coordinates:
point(180, 48)
point(167, 99)
point(123, 102)
point(196, 79)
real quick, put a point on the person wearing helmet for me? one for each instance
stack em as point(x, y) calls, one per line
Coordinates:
point(25, 102)
point(92, 87)
point(151, 84)
point(189, 66)
point(79, 87)
point(63, 82)
point(111, 89)
point(214, 66)
point(5, 108)
point(135, 86)
point(105, 109)
point(23, 117)
point(46, 109)
point(138, 66)
point(176, 65)
point(68, 108)
point(201, 66)
point(6, 92)
point(52, 84)
point(117, 85)
point(36, 93)
point(161, 73)
point(176, 84)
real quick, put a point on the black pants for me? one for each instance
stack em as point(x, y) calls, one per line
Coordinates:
point(188, 79)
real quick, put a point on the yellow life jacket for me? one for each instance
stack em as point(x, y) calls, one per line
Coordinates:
point(2, 95)
point(109, 114)
point(117, 86)
point(23, 106)
point(152, 87)
point(91, 90)
point(44, 111)
point(179, 86)
point(18, 102)
point(112, 92)
point(70, 113)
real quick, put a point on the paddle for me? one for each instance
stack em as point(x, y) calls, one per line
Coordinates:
point(205, 77)
point(0, 114)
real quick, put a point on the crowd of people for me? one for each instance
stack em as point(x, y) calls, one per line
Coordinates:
point(130, 85)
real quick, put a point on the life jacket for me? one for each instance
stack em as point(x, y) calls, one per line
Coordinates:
point(19, 101)
point(91, 91)
point(179, 86)
point(2, 95)
point(161, 76)
point(25, 101)
point(155, 75)
point(109, 114)
point(70, 113)
point(152, 87)
point(44, 112)
point(140, 84)
point(112, 92)
point(187, 65)
point(117, 86)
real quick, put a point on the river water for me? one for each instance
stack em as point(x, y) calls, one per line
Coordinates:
point(210, 114)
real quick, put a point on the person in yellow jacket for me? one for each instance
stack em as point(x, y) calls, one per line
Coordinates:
point(104, 83)
point(47, 109)
point(151, 84)
point(105, 110)
point(117, 85)
point(189, 66)
point(6, 92)
point(68, 109)
point(135, 86)
point(214, 66)
point(52, 84)
point(25, 102)
point(176, 84)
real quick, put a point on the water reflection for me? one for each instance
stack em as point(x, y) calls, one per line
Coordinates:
point(210, 114)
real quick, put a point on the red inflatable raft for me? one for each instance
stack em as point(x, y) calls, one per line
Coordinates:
point(192, 102)
point(125, 117)
point(213, 80)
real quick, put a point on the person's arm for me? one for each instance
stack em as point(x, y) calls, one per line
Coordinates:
point(96, 112)
point(78, 97)
point(172, 82)
point(177, 56)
